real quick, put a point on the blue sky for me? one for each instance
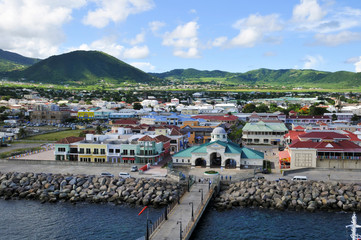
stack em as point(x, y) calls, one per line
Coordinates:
point(161, 35)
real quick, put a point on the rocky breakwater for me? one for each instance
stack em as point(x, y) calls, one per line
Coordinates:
point(75, 188)
point(294, 195)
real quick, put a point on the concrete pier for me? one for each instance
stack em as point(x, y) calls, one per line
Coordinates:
point(181, 220)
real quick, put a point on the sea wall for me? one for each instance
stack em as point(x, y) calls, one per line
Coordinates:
point(294, 195)
point(74, 188)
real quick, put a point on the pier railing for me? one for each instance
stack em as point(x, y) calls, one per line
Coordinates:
point(164, 215)
point(199, 209)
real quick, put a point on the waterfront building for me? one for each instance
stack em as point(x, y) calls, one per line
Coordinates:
point(219, 152)
point(66, 149)
point(268, 133)
point(326, 149)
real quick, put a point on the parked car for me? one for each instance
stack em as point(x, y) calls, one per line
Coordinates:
point(259, 177)
point(106, 174)
point(124, 175)
point(134, 169)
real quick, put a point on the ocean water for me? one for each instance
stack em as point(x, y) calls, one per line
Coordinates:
point(32, 220)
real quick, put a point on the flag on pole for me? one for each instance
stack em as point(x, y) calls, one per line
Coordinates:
point(142, 210)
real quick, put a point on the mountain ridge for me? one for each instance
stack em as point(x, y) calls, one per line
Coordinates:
point(82, 68)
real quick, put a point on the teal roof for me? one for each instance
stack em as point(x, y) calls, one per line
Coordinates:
point(265, 127)
point(230, 147)
point(251, 154)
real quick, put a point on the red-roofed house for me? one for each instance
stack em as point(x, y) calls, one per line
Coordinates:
point(223, 119)
point(325, 151)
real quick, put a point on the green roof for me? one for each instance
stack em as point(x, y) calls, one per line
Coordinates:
point(265, 127)
point(230, 147)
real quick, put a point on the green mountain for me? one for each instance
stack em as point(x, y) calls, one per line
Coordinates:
point(10, 61)
point(192, 73)
point(83, 68)
point(268, 77)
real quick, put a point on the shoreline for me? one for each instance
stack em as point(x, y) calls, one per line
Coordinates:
point(290, 195)
point(47, 187)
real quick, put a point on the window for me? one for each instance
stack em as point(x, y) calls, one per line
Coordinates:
point(125, 152)
point(132, 152)
point(102, 151)
point(81, 150)
point(96, 151)
point(88, 151)
point(61, 149)
point(189, 161)
point(173, 141)
point(117, 150)
point(111, 150)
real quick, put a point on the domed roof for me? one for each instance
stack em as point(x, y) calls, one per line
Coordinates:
point(219, 130)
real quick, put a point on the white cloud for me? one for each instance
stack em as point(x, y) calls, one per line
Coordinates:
point(156, 25)
point(191, 53)
point(34, 27)
point(310, 62)
point(184, 39)
point(336, 39)
point(220, 41)
point(136, 52)
point(356, 61)
point(109, 45)
point(144, 66)
point(139, 38)
point(116, 11)
point(254, 29)
point(309, 11)
point(352, 60)
point(358, 65)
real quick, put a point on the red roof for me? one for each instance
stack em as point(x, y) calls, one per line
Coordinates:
point(323, 135)
point(353, 137)
point(146, 138)
point(299, 128)
point(125, 122)
point(162, 138)
point(293, 135)
point(217, 118)
point(311, 117)
point(328, 146)
point(175, 132)
point(69, 140)
point(284, 155)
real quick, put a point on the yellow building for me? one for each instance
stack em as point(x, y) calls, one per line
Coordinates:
point(92, 152)
point(196, 134)
point(85, 114)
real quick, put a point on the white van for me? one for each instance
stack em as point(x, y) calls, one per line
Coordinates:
point(124, 175)
point(299, 178)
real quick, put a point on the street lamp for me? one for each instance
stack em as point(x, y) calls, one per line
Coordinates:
point(201, 191)
point(191, 203)
point(148, 221)
point(180, 229)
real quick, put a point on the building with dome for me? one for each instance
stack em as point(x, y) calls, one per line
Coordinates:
point(219, 152)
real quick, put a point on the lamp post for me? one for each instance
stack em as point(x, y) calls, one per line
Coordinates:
point(201, 191)
point(191, 203)
point(180, 229)
point(148, 221)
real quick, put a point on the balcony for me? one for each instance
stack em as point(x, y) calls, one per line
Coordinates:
point(338, 157)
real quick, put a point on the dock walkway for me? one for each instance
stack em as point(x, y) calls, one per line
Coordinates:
point(180, 223)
